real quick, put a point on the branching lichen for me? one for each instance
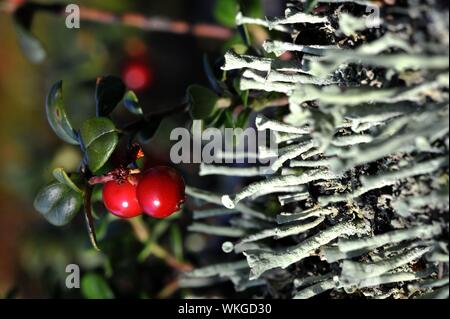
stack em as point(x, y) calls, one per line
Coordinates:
point(360, 179)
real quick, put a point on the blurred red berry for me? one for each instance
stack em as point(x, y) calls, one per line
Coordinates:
point(160, 191)
point(137, 75)
point(120, 199)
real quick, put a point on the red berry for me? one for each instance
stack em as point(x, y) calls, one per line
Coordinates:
point(161, 191)
point(120, 199)
point(137, 75)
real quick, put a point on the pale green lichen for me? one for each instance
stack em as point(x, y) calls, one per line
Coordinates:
point(361, 174)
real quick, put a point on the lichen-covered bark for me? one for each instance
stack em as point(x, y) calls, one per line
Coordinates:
point(362, 174)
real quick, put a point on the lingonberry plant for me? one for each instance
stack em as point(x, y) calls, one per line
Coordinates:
point(127, 191)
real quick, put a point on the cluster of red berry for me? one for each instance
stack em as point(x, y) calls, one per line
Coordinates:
point(159, 192)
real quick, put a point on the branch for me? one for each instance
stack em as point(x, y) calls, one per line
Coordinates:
point(136, 20)
point(142, 234)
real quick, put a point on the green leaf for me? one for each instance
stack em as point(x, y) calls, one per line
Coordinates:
point(242, 119)
point(62, 177)
point(23, 17)
point(225, 12)
point(57, 117)
point(31, 47)
point(100, 138)
point(94, 286)
point(217, 119)
point(229, 121)
point(108, 93)
point(97, 193)
point(29, 44)
point(58, 203)
point(202, 101)
point(131, 103)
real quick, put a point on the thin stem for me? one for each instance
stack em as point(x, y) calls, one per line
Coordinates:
point(172, 261)
point(88, 217)
point(140, 229)
point(100, 179)
point(142, 233)
point(119, 174)
point(169, 289)
point(136, 20)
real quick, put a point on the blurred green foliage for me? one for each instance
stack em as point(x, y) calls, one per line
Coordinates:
point(33, 255)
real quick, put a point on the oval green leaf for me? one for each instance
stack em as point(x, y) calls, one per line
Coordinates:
point(57, 117)
point(108, 93)
point(100, 138)
point(62, 177)
point(202, 101)
point(94, 286)
point(58, 203)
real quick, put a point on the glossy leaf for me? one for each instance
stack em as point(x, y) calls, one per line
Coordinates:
point(202, 101)
point(109, 92)
point(100, 138)
point(94, 286)
point(62, 177)
point(131, 103)
point(58, 203)
point(57, 117)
